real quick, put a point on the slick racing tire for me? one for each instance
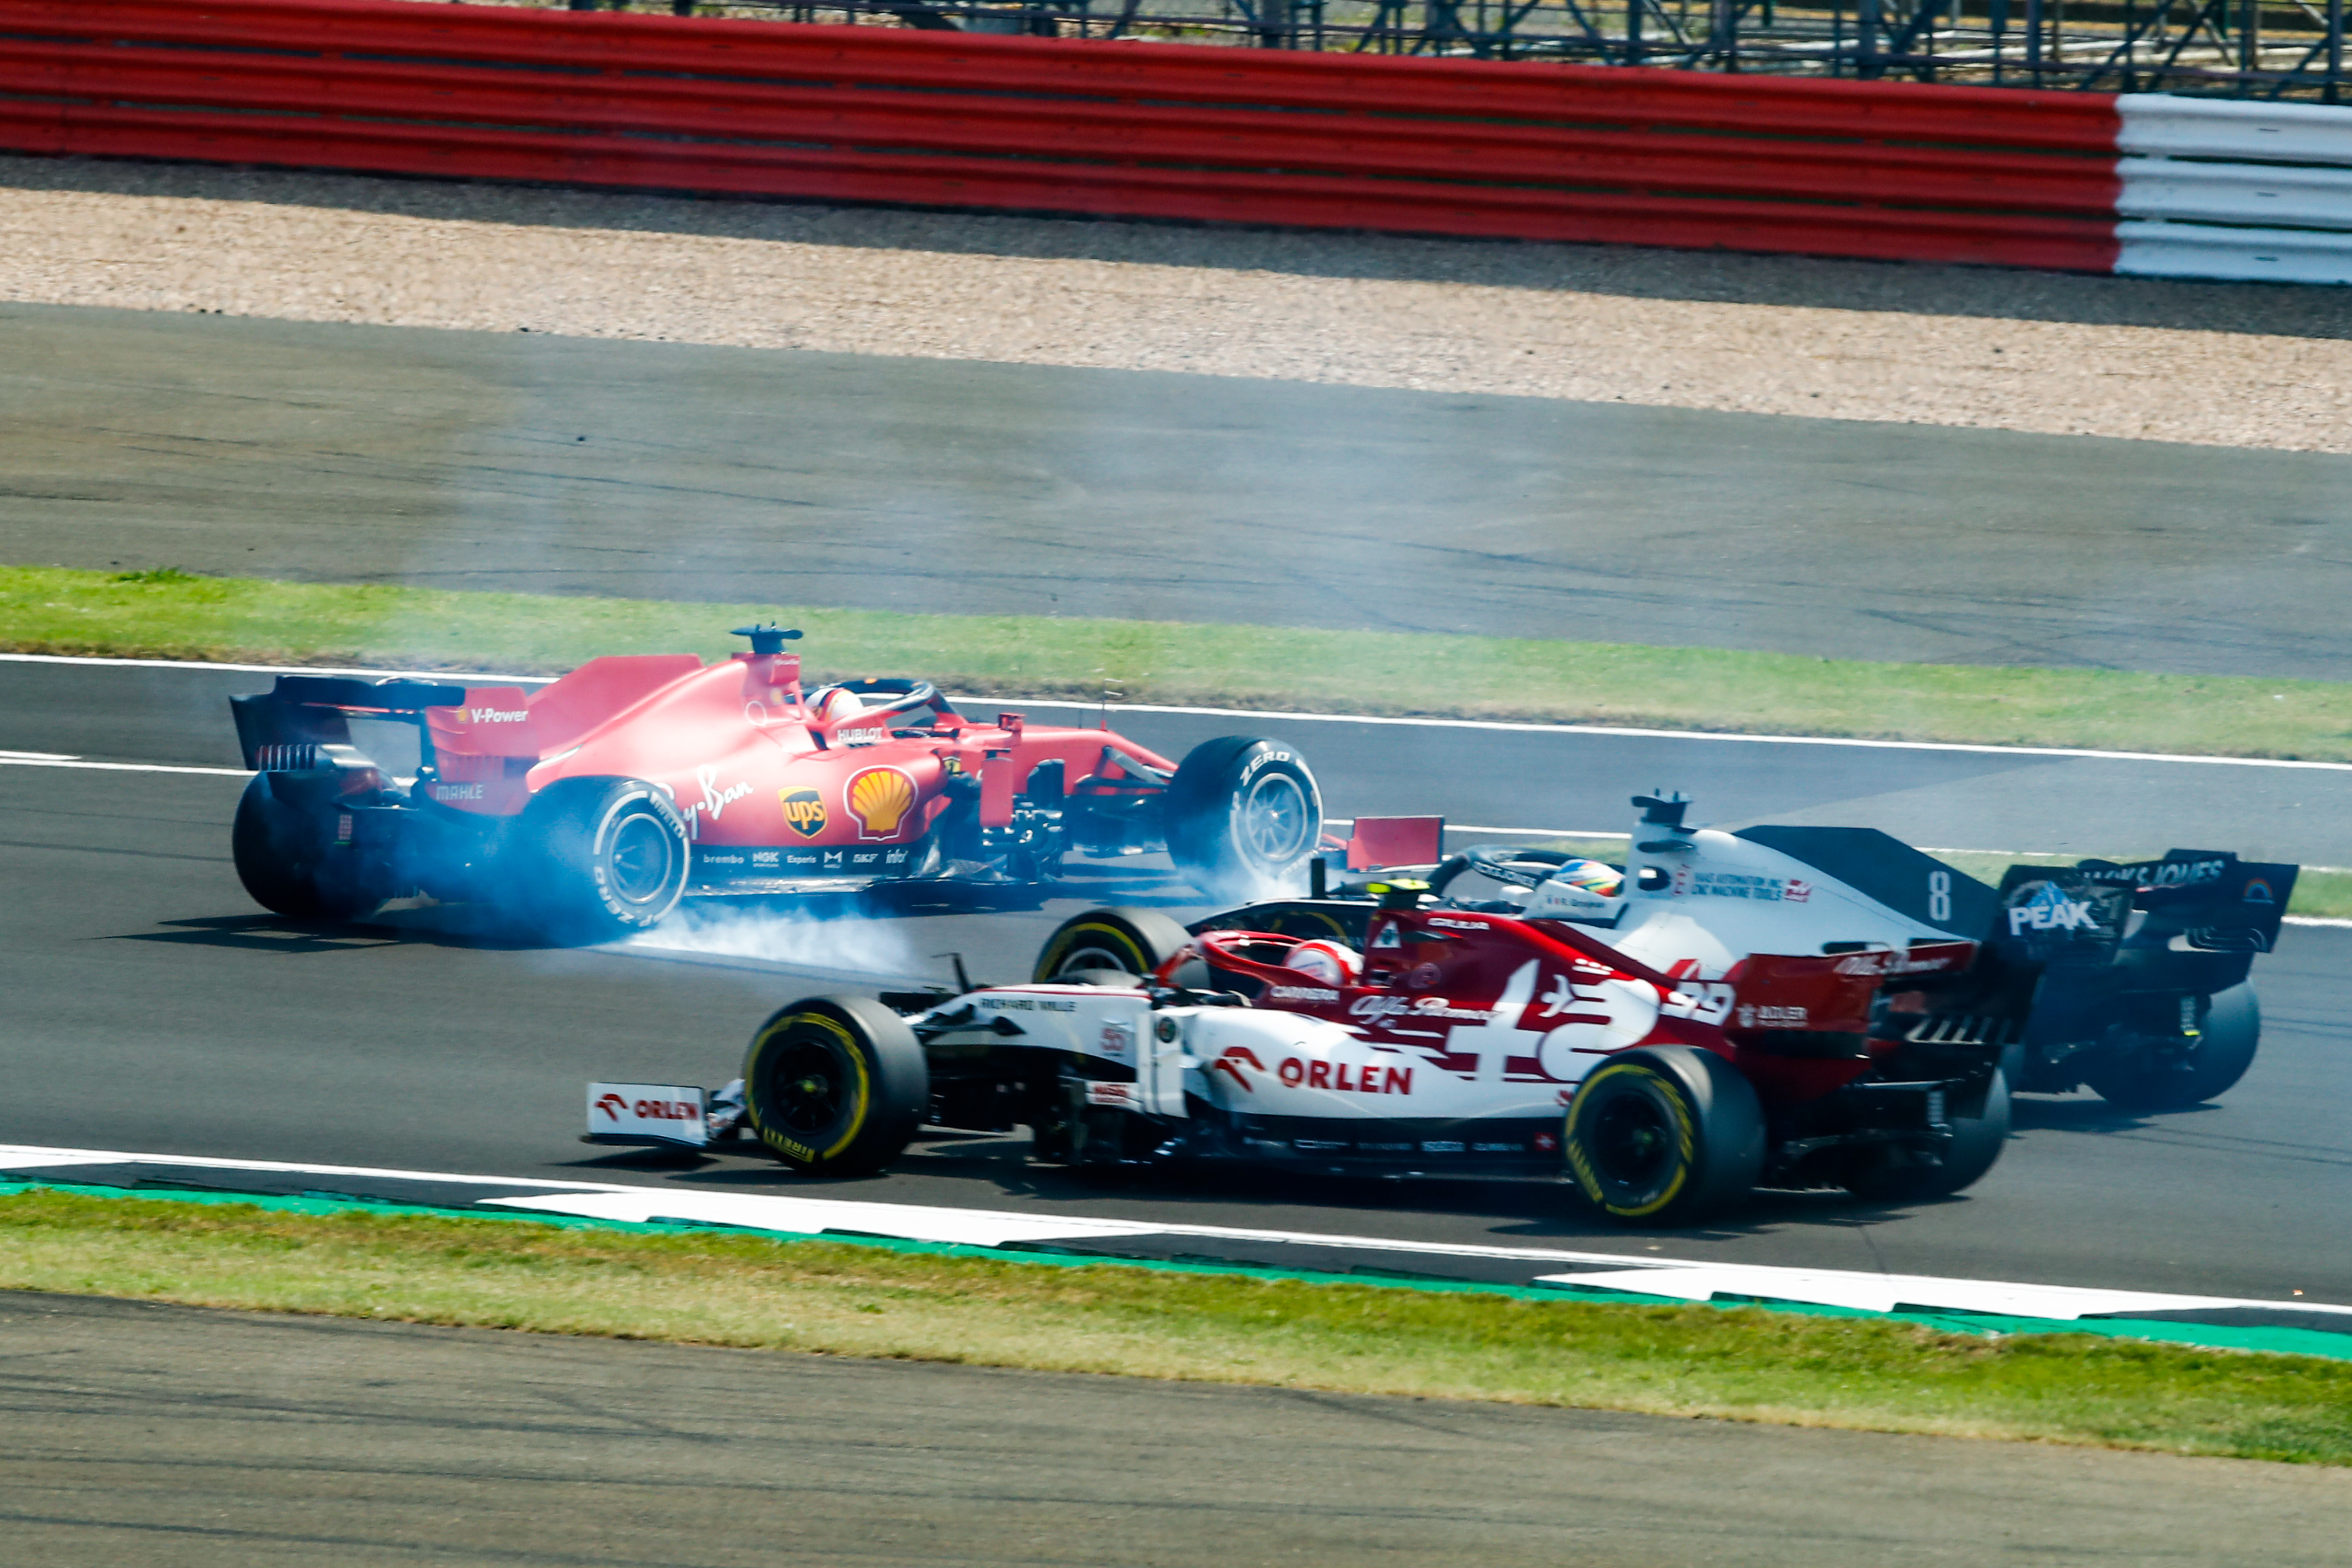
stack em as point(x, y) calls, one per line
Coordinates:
point(600, 860)
point(2233, 1028)
point(288, 860)
point(835, 1086)
point(1134, 941)
point(1977, 1143)
point(1243, 815)
point(1664, 1135)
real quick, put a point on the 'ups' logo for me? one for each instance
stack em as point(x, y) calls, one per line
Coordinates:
point(804, 811)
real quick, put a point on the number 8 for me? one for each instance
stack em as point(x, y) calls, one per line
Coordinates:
point(1939, 895)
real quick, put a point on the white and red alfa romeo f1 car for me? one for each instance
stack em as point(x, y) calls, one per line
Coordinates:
point(1387, 1033)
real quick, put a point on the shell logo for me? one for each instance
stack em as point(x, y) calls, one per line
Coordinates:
point(879, 799)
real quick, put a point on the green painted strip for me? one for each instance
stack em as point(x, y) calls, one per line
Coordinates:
point(2268, 1341)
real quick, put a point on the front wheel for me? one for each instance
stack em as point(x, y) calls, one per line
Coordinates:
point(602, 859)
point(1664, 1135)
point(1243, 815)
point(2225, 1049)
point(295, 862)
point(835, 1086)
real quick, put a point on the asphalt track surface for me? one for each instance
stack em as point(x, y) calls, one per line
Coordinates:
point(481, 461)
point(151, 1008)
point(178, 1435)
point(1508, 776)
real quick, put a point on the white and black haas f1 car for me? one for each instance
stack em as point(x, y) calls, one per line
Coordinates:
point(592, 805)
point(2130, 978)
point(1435, 1041)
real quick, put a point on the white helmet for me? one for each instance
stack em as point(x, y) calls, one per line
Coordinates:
point(830, 703)
point(1330, 963)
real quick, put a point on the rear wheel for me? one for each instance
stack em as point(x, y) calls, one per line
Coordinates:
point(1664, 1135)
point(1132, 942)
point(603, 859)
point(290, 859)
point(835, 1086)
point(2233, 1028)
point(1244, 815)
point(1976, 1145)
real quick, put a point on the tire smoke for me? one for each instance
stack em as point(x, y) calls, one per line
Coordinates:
point(845, 943)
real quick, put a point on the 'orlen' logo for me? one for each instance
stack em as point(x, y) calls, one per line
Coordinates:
point(879, 799)
point(2050, 910)
point(612, 1104)
point(804, 811)
point(1229, 1063)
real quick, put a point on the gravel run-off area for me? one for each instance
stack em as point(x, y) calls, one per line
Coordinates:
point(2231, 364)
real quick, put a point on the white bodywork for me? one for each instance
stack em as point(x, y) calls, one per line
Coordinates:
point(1724, 898)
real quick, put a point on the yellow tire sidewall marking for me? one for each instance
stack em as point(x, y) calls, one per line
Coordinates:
point(861, 1105)
point(1685, 1135)
point(1117, 937)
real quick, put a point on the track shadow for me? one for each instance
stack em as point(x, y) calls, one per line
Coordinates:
point(2089, 1113)
point(451, 926)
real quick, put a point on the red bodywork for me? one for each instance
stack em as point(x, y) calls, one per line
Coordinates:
point(767, 788)
point(1797, 1026)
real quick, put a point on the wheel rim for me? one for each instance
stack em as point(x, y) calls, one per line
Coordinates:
point(1095, 956)
point(808, 1087)
point(1632, 1143)
point(641, 859)
point(1273, 822)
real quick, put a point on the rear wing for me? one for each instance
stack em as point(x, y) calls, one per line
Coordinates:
point(2079, 916)
point(304, 710)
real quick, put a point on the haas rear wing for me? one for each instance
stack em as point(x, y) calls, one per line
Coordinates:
point(2195, 900)
point(310, 710)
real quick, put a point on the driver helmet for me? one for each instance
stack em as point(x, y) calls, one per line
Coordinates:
point(1581, 891)
point(1328, 963)
point(1595, 877)
point(835, 702)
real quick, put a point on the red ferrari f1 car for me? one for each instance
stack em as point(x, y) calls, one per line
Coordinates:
point(592, 805)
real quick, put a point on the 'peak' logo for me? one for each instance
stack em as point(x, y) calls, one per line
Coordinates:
point(2051, 909)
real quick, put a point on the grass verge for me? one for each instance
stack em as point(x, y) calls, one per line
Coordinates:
point(758, 1292)
point(175, 614)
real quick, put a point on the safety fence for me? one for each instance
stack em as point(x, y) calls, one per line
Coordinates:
point(2234, 48)
point(1446, 147)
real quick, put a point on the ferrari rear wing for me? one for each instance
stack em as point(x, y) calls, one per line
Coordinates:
point(316, 709)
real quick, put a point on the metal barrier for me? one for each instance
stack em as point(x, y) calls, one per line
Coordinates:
point(2192, 209)
point(870, 114)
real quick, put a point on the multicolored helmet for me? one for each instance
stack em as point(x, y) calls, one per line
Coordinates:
point(1598, 878)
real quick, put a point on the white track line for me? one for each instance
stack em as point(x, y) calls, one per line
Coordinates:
point(1689, 1278)
point(24, 762)
point(1513, 726)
